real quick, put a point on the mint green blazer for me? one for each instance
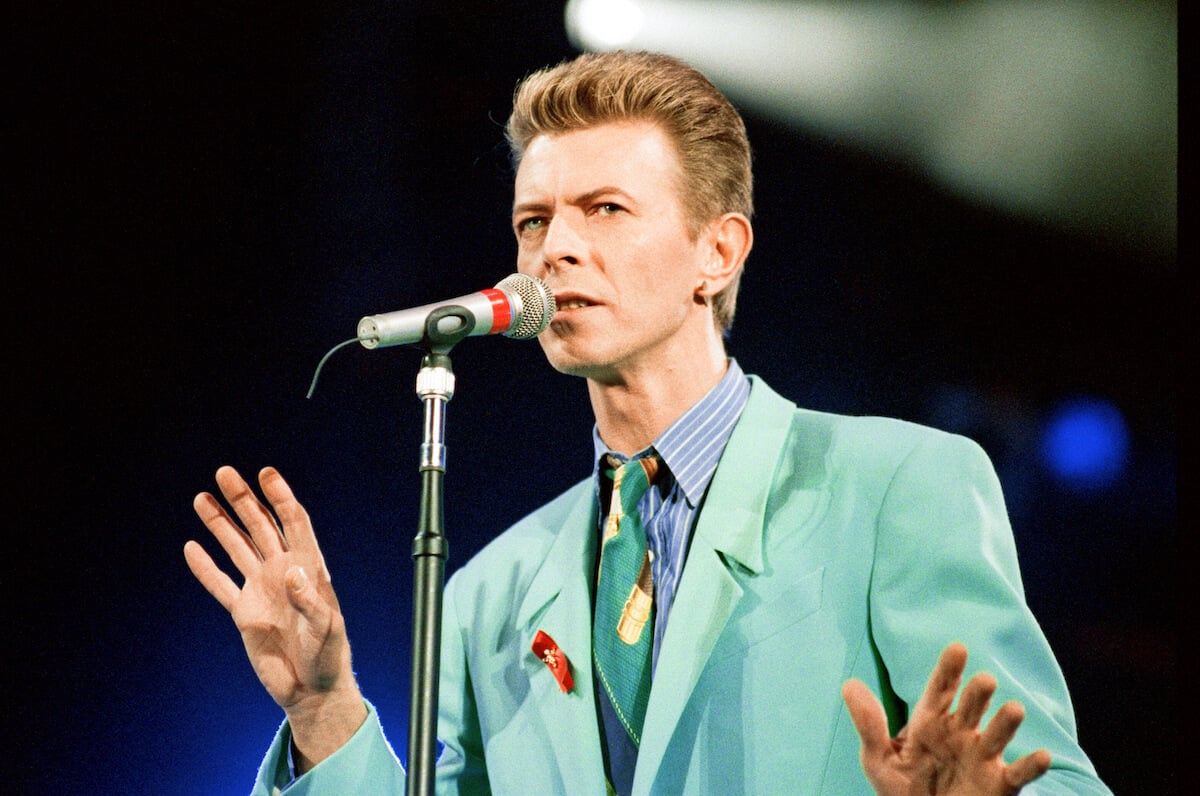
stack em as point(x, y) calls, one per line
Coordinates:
point(828, 547)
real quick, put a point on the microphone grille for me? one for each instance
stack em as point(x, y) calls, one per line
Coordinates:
point(537, 305)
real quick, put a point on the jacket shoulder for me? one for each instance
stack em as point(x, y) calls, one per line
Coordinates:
point(883, 439)
point(864, 437)
point(527, 542)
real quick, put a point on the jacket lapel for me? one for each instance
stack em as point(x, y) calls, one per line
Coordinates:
point(559, 602)
point(728, 537)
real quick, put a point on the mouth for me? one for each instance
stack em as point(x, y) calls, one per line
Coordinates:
point(573, 304)
point(572, 301)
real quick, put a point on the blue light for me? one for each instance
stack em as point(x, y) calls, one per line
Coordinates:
point(1086, 443)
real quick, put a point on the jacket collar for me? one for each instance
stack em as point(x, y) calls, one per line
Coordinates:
point(727, 547)
point(559, 602)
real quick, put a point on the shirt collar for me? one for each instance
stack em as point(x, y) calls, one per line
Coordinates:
point(691, 446)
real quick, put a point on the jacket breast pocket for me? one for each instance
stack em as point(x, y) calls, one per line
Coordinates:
point(761, 618)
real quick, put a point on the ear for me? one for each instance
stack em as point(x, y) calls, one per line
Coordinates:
point(730, 238)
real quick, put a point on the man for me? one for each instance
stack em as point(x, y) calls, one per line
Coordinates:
point(801, 562)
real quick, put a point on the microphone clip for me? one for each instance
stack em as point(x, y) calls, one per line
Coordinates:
point(445, 328)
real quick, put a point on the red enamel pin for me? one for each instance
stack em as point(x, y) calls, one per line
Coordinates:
point(548, 652)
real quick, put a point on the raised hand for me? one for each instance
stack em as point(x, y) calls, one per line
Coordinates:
point(286, 609)
point(939, 751)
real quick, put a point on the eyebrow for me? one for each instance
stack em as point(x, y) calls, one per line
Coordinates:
point(581, 199)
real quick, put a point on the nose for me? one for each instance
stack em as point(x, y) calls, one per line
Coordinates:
point(565, 242)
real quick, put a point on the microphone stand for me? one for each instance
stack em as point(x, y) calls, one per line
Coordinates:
point(435, 387)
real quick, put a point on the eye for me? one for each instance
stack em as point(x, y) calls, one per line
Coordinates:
point(608, 209)
point(530, 224)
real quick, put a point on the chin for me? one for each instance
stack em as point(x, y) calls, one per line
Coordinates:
point(573, 363)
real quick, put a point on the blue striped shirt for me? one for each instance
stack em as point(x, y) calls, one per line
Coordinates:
point(690, 448)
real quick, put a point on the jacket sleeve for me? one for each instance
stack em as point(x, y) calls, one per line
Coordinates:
point(367, 766)
point(946, 569)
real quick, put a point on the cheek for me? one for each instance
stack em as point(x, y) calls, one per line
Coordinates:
point(669, 272)
point(527, 263)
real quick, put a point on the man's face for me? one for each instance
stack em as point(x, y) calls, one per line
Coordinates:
point(598, 217)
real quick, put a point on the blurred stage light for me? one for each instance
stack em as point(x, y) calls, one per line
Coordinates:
point(1086, 444)
point(1065, 112)
point(605, 24)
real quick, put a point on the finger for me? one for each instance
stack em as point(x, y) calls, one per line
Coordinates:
point(211, 577)
point(1027, 769)
point(944, 680)
point(234, 541)
point(976, 696)
point(1001, 729)
point(255, 517)
point(297, 526)
point(869, 719)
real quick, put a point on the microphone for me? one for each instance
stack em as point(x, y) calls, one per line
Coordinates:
point(519, 306)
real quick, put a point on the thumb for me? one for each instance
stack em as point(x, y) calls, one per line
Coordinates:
point(301, 593)
point(868, 716)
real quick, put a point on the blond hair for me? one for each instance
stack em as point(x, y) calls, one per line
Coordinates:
point(707, 132)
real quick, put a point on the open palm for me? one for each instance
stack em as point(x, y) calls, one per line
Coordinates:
point(941, 751)
point(286, 609)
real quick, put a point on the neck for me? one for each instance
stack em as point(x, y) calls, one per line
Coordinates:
point(632, 410)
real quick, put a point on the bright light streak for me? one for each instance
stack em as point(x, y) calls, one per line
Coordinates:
point(1063, 111)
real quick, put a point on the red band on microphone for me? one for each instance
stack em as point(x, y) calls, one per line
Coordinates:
point(501, 310)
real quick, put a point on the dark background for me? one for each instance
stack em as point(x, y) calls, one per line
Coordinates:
point(206, 198)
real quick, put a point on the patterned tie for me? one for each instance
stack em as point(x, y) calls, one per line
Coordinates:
point(623, 629)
